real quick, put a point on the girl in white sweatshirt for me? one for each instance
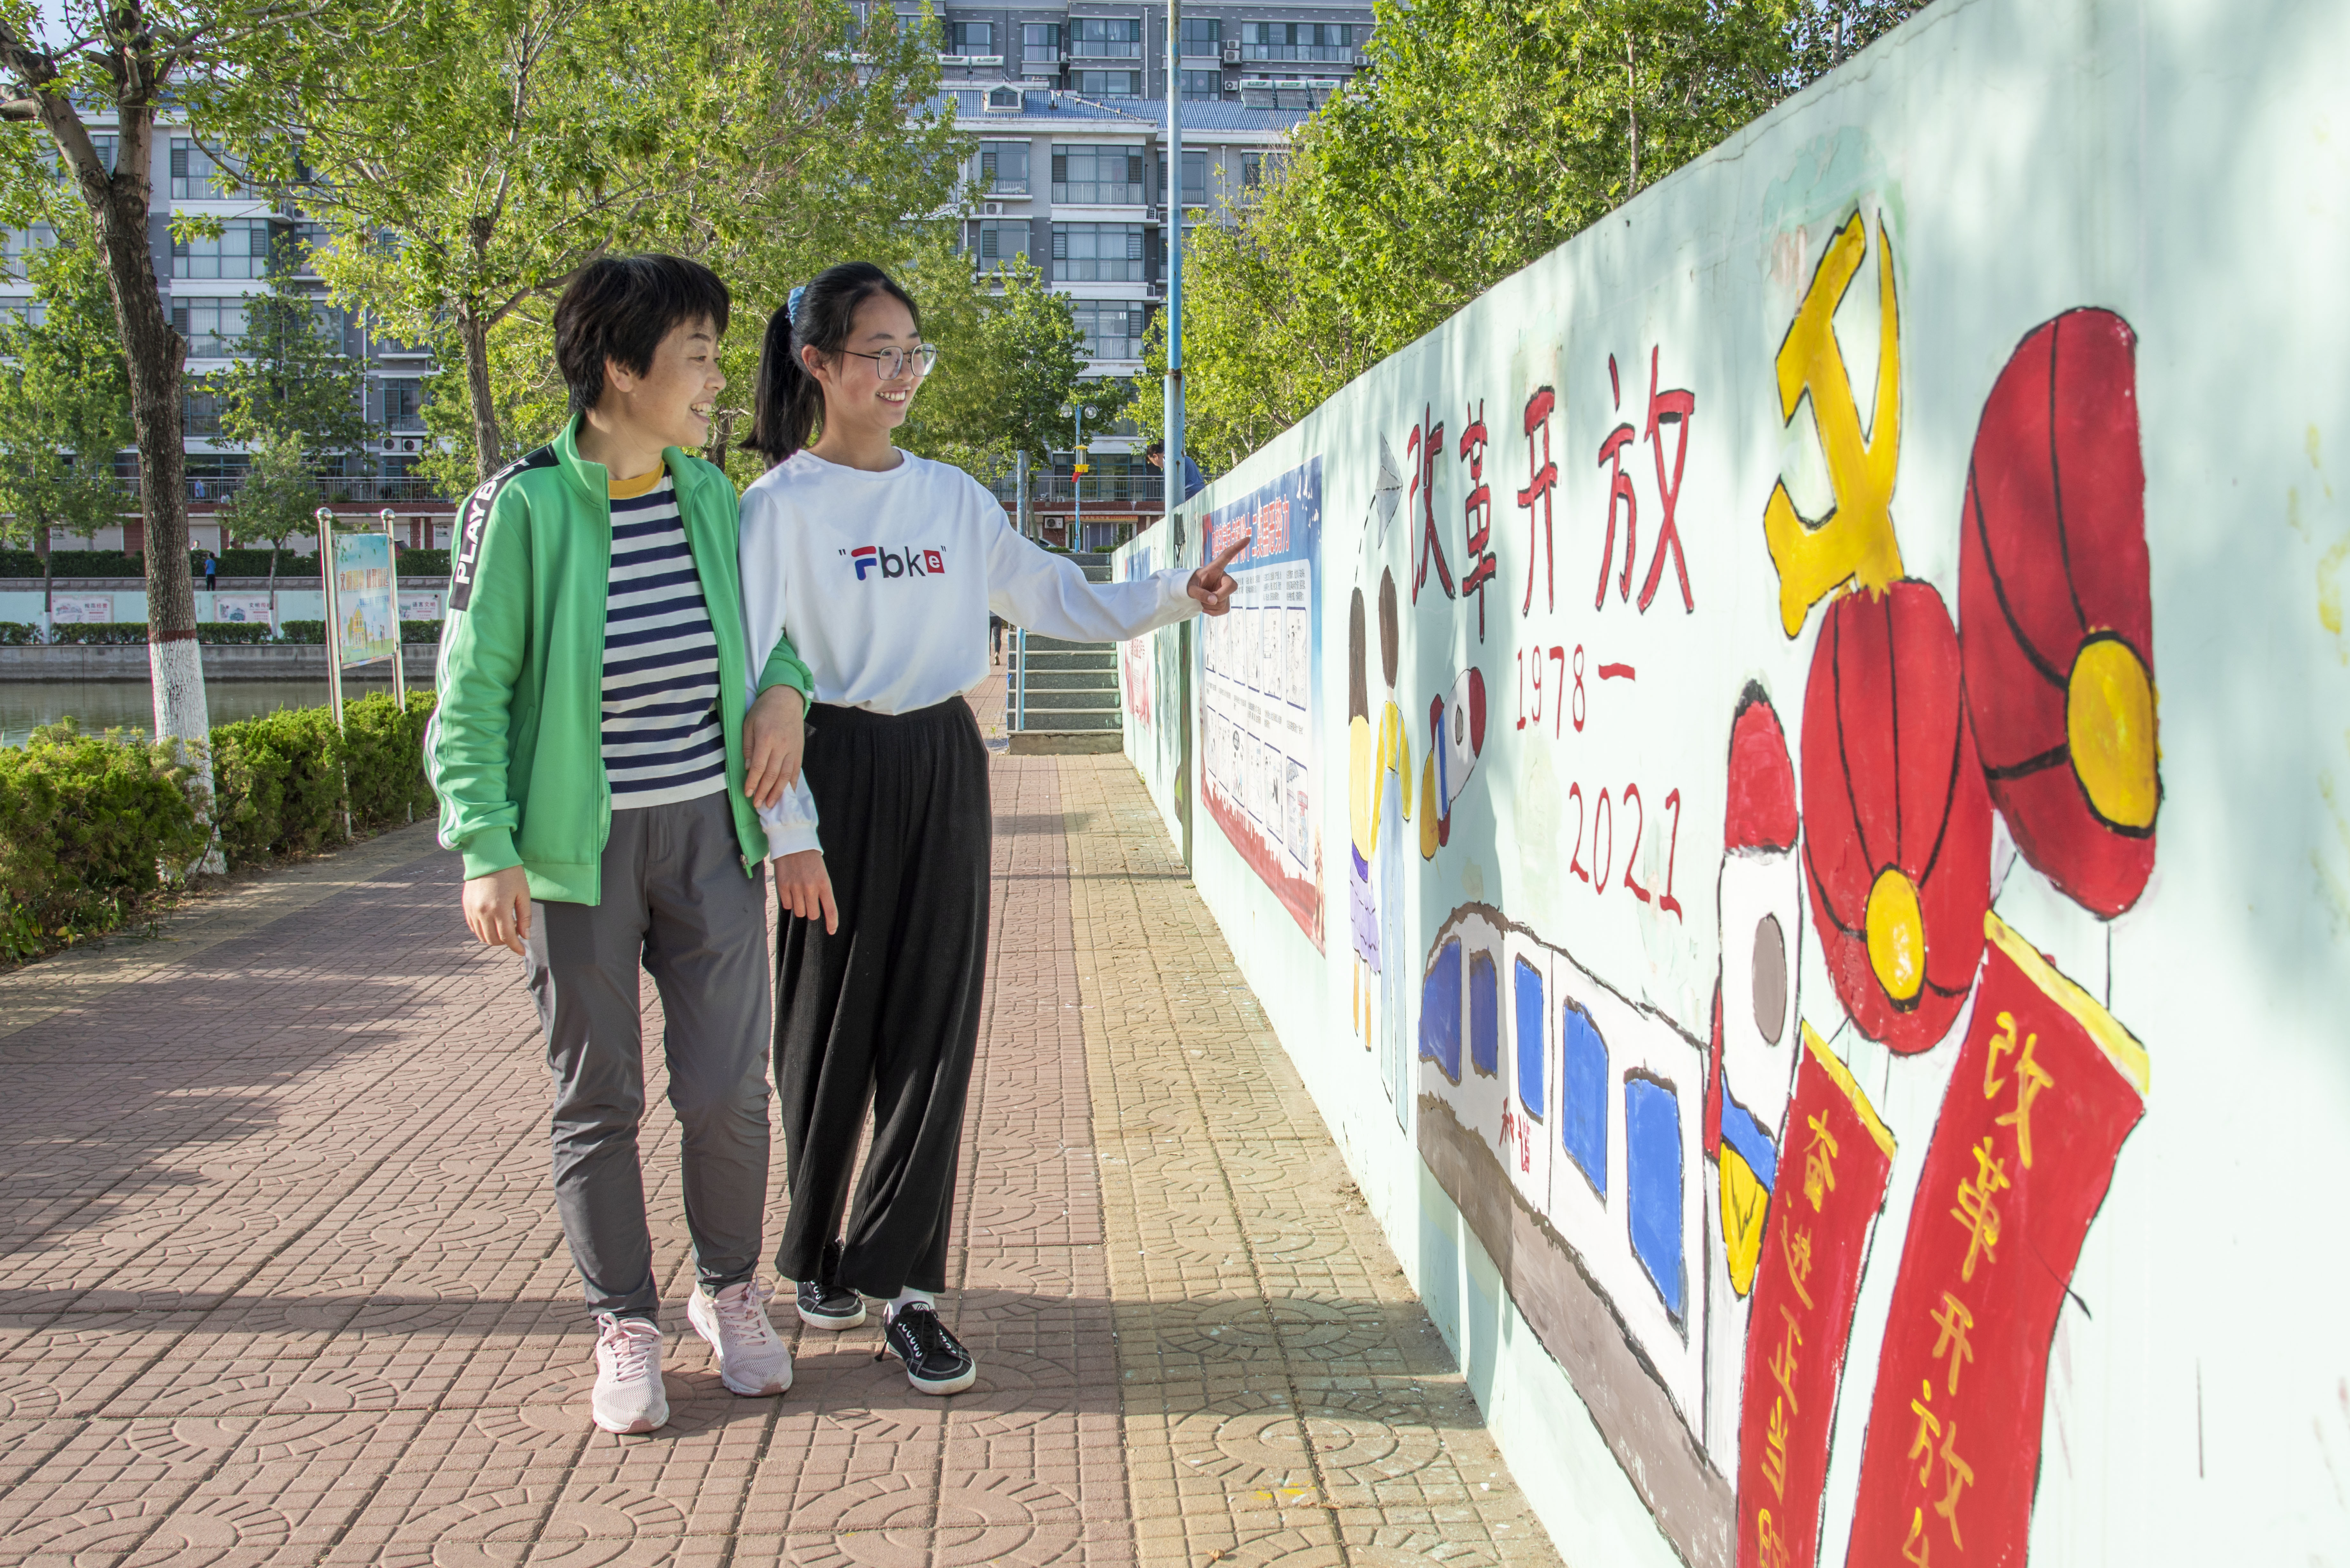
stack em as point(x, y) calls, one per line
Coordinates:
point(884, 566)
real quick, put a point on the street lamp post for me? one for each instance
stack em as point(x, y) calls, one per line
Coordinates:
point(1077, 466)
point(1174, 396)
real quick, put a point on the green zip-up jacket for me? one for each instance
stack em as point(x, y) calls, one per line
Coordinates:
point(515, 747)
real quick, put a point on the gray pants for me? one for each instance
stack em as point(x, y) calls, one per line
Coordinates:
point(675, 899)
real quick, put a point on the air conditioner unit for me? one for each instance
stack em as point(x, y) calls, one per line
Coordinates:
point(1232, 54)
point(990, 209)
point(1362, 61)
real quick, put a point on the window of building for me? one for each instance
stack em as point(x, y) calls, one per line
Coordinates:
point(17, 246)
point(240, 250)
point(1296, 41)
point(1106, 38)
point(1107, 84)
point(1195, 179)
point(1256, 168)
point(1203, 85)
point(972, 37)
point(997, 245)
point(1004, 168)
point(1097, 252)
point(200, 410)
point(1112, 328)
point(1040, 42)
point(197, 176)
point(403, 404)
point(1203, 35)
point(1100, 176)
point(213, 328)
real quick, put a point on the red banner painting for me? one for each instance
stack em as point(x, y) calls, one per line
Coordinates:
point(1823, 1203)
point(2048, 1087)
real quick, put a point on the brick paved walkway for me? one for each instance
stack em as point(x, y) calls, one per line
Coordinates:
point(280, 1280)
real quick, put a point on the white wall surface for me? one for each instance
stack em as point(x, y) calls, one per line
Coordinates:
point(2184, 167)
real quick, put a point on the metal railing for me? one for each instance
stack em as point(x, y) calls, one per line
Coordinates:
point(333, 491)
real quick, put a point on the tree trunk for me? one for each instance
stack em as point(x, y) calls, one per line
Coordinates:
point(489, 445)
point(154, 355)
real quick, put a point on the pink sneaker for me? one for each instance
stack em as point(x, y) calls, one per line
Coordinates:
point(628, 1396)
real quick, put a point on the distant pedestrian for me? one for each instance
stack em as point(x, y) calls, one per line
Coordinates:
point(212, 572)
point(883, 565)
point(589, 766)
point(1194, 481)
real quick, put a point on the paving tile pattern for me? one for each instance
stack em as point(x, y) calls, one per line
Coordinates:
point(1286, 1399)
point(281, 1282)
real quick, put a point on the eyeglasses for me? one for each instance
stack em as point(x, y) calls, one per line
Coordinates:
point(893, 362)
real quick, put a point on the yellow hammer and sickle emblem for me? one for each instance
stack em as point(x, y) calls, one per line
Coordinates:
point(1855, 540)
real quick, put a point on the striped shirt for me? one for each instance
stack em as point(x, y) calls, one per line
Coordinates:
point(662, 742)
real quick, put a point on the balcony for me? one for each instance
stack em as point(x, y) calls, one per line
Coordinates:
point(1336, 54)
point(356, 490)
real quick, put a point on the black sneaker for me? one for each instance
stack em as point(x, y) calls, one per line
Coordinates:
point(824, 1301)
point(936, 1361)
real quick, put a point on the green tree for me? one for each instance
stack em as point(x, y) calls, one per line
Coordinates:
point(278, 496)
point(469, 165)
point(291, 375)
point(1022, 361)
point(63, 64)
point(1484, 135)
point(65, 398)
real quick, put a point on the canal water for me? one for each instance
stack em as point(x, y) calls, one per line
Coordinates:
point(24, 705)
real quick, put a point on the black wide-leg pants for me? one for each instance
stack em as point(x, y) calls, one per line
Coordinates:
point(886, 1009)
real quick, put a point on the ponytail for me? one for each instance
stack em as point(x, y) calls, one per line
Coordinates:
point(787, 404)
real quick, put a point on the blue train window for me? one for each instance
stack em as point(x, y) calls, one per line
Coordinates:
point(1582, 1081)
point(1484, 1015)
point(1439, 1011)
point(1652, 1180)
point(1529, 1039)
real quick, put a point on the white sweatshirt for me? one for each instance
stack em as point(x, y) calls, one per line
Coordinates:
point(885, 582)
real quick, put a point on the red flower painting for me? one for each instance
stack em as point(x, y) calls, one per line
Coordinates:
point(1896, 823)
point(2055, 613)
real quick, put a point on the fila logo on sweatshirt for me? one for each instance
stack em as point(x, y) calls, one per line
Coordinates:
point(910, 562)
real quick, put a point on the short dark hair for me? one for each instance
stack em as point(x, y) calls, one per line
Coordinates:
point(787, 404)
point(620, 307)
point(1156, 449)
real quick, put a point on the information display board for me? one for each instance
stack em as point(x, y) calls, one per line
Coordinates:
point(1261, 706)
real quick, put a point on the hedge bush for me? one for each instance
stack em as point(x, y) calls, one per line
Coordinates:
point(281, 777)
point(80, 564)
point(244, 562)
point(423, 564)
point(93, 826)
point(18, 633)
point(90, 826)
point(100, 634)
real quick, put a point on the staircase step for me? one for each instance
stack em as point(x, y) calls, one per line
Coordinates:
point(1043, 680)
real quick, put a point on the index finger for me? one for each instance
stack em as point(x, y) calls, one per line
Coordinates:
point(1231, 551)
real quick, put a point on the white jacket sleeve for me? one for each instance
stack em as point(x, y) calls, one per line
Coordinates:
point(791, 822)
point(1029, 586)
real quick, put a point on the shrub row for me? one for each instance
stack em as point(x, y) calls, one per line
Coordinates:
point(123, 633)
point(281, 777)
point(233, 563)
point(93, 827)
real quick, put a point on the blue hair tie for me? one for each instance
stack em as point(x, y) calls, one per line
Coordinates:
point(792, 304)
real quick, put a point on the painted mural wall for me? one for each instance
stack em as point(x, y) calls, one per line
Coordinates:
point(1786, 776)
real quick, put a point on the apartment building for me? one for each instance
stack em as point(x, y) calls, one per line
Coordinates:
point(1068, 106)
point(206, 283)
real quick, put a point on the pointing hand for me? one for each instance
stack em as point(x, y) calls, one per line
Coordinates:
point(1212, 584)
